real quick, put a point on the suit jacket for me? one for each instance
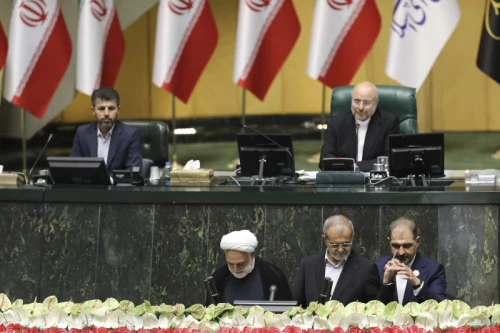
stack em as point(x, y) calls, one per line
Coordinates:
point(358, 281)
point(269, 274)
point(430, 272)
point(341, 139)
point(124, 148)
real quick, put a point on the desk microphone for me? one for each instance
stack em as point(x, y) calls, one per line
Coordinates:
point(327, 291)
point(213, 290)
point(39, 155)
point(286, 149)
point(273, 289)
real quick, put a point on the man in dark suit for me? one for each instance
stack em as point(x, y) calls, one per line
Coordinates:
point(119, 144)
point(247, 277)
point(408, 276)
point(354, 277)
point(363, 133)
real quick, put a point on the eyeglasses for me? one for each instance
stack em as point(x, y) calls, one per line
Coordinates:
point(338, 245)
point(365, 103)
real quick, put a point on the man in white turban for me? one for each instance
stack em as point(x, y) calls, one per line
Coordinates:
point(247, 277)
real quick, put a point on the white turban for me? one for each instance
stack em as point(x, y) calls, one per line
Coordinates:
point(242, 240)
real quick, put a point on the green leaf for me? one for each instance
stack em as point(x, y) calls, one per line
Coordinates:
point(354, 307)
point(111, 304)
point(392, 309)
point(323, 311)
point(197, 311)
point(257, 308)
point(412, 308)
point(17, 303)
point(374, 308)
point(4, 303)
point(429, 305)
point(76, 308)
point(126, 306)
point(459, 308)
point(293, 311)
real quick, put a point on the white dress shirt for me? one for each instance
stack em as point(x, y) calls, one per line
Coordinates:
point(361, 132)
point(401, 285)
point(103, 143)
point(333, 271)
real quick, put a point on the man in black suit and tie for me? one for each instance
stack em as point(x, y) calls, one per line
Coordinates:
point(363, 133)
point(354, 277)
point(119, 144)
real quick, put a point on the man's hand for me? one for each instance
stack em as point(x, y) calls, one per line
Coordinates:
point(394, 267)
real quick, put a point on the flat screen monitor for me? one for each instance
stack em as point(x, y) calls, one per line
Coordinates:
point(78, 170)
point(272, 306)
point(416, 154)
point(279, 160)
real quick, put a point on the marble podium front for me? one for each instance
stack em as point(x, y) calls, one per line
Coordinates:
point(159, 244)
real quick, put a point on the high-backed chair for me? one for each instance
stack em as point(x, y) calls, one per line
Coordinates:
point(398, 100)
point(154, 137)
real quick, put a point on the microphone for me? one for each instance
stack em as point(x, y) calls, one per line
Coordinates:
point(286, 149)
point(327, 291)
point(357, 129)
point(273, 289)
point(39, 155)
point(213, 290)
point(209, 292)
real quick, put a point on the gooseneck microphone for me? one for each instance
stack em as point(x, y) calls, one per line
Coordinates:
point(327, 291)
point(213, 290)
point(39, 155)
point(273, 289)
point(286, 149)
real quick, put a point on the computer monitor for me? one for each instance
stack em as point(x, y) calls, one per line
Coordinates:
point(278, 157)
point(78, 170)
point(416, 154)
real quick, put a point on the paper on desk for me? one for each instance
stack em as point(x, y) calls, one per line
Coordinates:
point(192, 165)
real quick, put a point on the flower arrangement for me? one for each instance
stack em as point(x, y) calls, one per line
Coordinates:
point(111, 316)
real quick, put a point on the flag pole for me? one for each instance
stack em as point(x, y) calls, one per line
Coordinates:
point(243, 109)
point(23, 133)
point(323, 113)
point(174, 126)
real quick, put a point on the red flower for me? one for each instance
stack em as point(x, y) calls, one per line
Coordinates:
point(295, 329)
point(464, 329)
point(397, 329)
point(264, 330)
point(235, 330)
point(221, 330)
point(170, 330)
point(14, 328)
point(338, 330)
point(452, 330)
point(437, 330)
point(274, 330)
point(386, 330)
point(375, 330)
point(353, 329)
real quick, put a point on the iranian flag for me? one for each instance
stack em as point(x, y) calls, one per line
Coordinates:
point(38, 56)
point(186, 37)
point(343, 32)
point(101, 46)
point(3, 47)
point(267, 32)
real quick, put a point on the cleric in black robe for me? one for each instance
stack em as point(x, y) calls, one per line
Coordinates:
point(247, 277)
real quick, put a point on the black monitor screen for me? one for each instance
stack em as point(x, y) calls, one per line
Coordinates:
point(416, 154)
point(78, 170)
point(279, 160)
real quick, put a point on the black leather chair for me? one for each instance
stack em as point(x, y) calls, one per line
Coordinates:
point(398, 100)
point(154, 137)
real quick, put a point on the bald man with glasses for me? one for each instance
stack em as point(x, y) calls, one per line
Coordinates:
point(361, 133)
point(354, 277)
point(406, 275)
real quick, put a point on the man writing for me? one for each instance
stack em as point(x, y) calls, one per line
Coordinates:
point(354, 277)
point(247, 277)
point(407, 275)
point(363, 133)
point(119, 144)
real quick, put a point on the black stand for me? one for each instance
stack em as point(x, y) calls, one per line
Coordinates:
point(420, 179)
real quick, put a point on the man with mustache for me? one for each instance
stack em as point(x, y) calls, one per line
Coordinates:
point(407, 275)
point(247, 277)
point(119, 144)
point(354, 277)
point(363, 133)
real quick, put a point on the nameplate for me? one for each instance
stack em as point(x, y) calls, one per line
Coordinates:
point(340, 177)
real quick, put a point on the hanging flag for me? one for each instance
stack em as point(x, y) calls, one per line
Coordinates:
point(267, 31)
point(39, 54)
point(343, 32)
point(101, 46)
point(3, 47)
point(489, 47)
point(419, 31)
point(186, 36)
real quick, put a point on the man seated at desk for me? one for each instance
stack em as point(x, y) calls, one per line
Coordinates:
point(363, 133)
point(119, 144)
point(247, 277)
point(408, 276)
